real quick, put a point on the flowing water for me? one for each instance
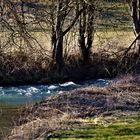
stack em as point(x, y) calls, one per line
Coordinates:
point(13, 99)
point(30, 94)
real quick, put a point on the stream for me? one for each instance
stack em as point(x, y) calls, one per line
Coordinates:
point(20, 95)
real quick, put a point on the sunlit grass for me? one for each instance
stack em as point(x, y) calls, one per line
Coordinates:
point(102, 40)
point(120, 129)
point(112, 40)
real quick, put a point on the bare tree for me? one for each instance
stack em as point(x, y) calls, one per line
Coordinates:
point(60, 29)
point(86, 29)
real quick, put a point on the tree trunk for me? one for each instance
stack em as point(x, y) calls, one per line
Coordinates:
point(82, 30)
point(58, 37)
point(57, 30)
point(86, 28)
point(136, 21)
point(90, 30)
point(59, 52)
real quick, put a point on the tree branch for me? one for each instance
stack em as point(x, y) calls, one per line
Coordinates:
point(74, 21)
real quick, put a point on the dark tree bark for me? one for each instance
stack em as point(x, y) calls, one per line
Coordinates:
point(135, 7)
point(58, 36)
point(82, 30)
point(90, 29)
point(58, 33)
point(86, 30)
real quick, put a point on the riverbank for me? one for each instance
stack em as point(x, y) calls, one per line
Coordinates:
point(36, 70)
point(9, 115)
point(39, 70)
point(61, 111)
point(113, 126)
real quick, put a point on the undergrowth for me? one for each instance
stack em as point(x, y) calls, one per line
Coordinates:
point(35, 68)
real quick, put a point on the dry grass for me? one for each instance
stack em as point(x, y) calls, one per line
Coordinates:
point(20, 64)
point(60, 111)
point(103, 40)
point(35, 67)
point(112, 41)
point(22, 67)
point(8, 117)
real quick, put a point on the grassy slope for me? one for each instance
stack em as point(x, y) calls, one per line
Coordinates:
point(69, 111)
point(108, 126)
point(117, 129)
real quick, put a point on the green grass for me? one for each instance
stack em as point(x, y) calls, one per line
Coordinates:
point(123, 129)
point(114, 15)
